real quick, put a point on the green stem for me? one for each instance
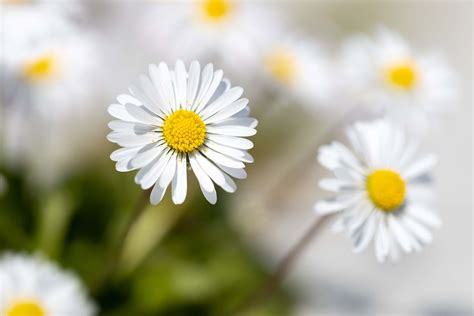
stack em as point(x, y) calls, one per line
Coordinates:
point(269, 287)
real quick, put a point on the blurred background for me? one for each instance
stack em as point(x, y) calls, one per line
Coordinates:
point(61, 196)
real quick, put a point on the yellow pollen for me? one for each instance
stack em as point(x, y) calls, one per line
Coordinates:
point(216, 10)
point(40, 68)
point(386, 189)
point(184, 131)
point(402, 75)
point(281, 65)
point(26, 308)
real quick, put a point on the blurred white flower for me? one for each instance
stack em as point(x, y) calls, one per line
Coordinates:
point(175, 117)
point(227, 32)
point(386, 72)
point(70, 7)
point(32, 286)
point(48, 65)
point(299, 68)
point(382, 192)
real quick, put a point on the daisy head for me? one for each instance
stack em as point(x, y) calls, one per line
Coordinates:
point(386, 70)
point(381, 192)
point(34, 287)
point(223, 31)
point(300, 68)
point(175, 119)
point(46, 57)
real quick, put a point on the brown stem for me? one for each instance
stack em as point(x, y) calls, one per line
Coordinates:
point(272, 283)
point(111, 265)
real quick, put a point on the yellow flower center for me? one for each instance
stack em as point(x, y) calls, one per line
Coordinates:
point(386, 189)
point(402, 75)
point(216, 10)
point(40, 68)
point(26, 308)
point(282, 65)
point(184, 131)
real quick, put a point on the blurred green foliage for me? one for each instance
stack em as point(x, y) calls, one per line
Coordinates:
point(195, 265)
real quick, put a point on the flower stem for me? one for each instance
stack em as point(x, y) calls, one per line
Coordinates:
point(113, 260)
point(300, 167)
point(266, 290)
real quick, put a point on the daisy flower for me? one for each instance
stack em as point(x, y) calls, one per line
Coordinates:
point(299, 67)
point(385, 70)
point(223, 31)
point(47, 62)
point(382, 192)
point(34, 287)
point(177, 118)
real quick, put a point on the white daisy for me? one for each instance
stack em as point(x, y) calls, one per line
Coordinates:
point(176, 117)
point(385, 71)
point(47, 62)
point(382, 192)
point(224, 31)
point(33, 287)
point(298, 67)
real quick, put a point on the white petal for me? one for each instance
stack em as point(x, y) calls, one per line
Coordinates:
point(206, 79)
point(181, 84)
point(324, 207)
point(160, 88)
point(423, 215)
point(236, 173)
point(216, 80)
point(180, 184)
point(228, 111)
point(231, 141)
point(193, 83)
point(128, 140)
point(124, 153)
point(164, 77)
point(207, 187)
point(146, 155)
point(210, 169)
point(130, 127)
point(221, 159)
point(336, 185)
point(420, 167)
point(142, 115)
point(239, 121)
point(229, 151)
point(418, 230)
point(400, 234)
point(126, 98)
point(150, 174)
point(239, 131)
point(149, 89)
point(366, 233)
point(168, 174)
point(157, 194)
point(118, 111)
point(223, 101)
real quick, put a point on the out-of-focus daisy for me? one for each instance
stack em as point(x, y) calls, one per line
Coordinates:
point(224, 31)
point(382, 191)
point(33, 287)
point(387, 72)
point(298, 67)
point(177, 117)
point(48, 67)
point(70, 7)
